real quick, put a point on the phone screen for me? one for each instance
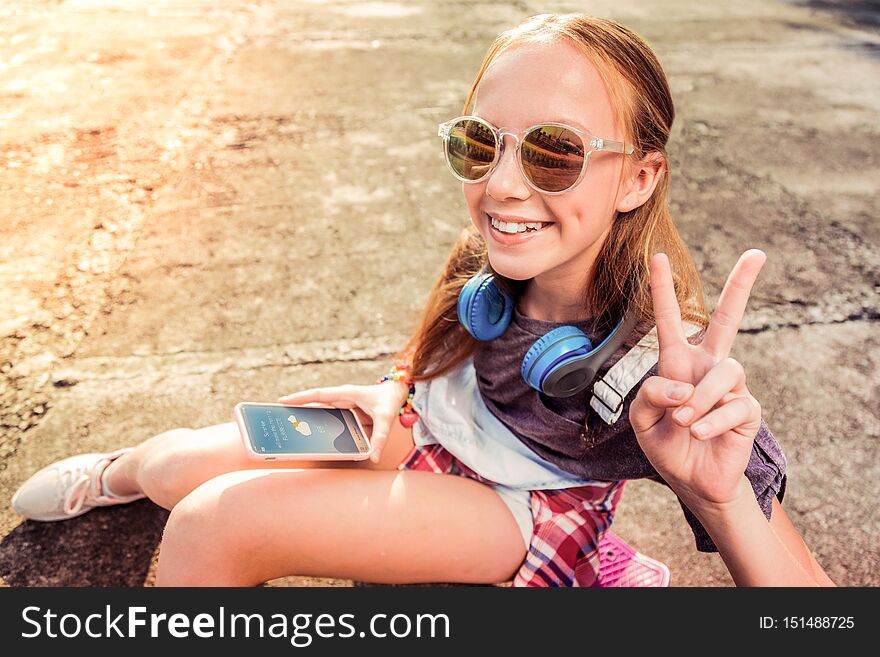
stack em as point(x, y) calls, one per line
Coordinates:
point(302, 430)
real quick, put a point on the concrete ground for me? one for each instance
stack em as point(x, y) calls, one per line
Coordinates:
point(205, 202)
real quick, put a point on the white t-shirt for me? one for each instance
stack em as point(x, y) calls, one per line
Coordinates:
point(452, 413)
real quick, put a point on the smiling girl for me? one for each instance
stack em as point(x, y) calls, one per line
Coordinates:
point(539, 379)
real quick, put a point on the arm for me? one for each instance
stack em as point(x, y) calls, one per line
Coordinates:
point(697, 421)
point(740, 532)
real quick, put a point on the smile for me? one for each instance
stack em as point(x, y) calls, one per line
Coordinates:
point(505, 232)
point(508, 227)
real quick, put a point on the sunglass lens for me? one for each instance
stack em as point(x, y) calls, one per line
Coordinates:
point(552, 157)
point(470, 149)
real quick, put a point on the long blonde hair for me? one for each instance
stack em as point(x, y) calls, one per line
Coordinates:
point(640, 95)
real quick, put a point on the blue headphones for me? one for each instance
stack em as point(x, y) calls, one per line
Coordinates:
point(562, 362)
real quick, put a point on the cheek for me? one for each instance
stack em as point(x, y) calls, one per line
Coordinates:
point(589, 207)
point(604, 182)
point(472, 196)
point(584, 216)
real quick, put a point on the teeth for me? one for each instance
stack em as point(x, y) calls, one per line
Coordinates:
point(509, 227)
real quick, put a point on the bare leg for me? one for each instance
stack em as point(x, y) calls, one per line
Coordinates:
point(168, 466)
point(245, 528)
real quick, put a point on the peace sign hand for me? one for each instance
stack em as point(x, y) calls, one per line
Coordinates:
point(696, 421)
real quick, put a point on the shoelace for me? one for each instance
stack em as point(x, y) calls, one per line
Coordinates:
point(85, 487)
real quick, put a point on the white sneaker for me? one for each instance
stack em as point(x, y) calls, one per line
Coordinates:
point(68, 488)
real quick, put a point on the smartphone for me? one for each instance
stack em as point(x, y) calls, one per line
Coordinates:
point(279, 432)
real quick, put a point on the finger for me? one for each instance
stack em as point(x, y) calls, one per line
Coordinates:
point(346, 392)
point(335, 404)
point(379, 436)
point(727, 376)
point(364, 416)
point(732, 303)
point(655, 396)
point(740, 413)
point(378, 447)
point(667, 314)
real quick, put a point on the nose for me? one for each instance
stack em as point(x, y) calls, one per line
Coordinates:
point(506, 180)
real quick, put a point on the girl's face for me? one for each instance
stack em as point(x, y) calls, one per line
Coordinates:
point(530, 84)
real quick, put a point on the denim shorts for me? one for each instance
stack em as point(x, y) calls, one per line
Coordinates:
point(452, 413)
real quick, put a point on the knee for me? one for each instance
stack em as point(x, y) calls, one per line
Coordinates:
point(163, 474)
point(200, 546)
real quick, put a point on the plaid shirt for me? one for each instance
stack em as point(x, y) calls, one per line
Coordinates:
point(568, 523)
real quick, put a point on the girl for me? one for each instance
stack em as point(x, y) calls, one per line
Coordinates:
point(563, 162)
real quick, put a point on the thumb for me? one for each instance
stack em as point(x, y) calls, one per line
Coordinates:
point(656, 395)
point(379, 436)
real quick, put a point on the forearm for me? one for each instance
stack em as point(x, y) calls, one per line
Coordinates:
point(753, 552)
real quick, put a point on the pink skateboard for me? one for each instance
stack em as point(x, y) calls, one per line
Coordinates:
point(621, 565)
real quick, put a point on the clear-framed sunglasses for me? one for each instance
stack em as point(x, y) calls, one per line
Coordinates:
point(552, 156)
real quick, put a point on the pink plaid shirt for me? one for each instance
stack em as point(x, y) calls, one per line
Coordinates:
point(568, 523)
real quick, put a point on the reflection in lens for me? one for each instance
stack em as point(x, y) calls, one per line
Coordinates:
point(471, 149)
point(552, 157)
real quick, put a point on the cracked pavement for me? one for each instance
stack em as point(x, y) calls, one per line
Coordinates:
point(210, 202)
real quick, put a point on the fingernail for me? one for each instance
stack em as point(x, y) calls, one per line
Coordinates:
point(702, 428)
point(684, 414)
point(676, 390)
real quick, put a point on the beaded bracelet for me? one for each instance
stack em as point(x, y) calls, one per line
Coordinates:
point(406, 415)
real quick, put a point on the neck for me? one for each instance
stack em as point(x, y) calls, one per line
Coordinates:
point(555, 298)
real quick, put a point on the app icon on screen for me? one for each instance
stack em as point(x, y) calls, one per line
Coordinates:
point(301, 426)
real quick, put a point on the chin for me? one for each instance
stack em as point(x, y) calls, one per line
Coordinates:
point(516, 271)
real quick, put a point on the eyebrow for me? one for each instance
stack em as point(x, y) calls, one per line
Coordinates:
point(576, 124)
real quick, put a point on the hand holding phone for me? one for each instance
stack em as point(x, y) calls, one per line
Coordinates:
point(282, 432)
point(377, 406)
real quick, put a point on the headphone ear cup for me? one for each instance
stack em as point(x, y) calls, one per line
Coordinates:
point(484, 309)
point(550, 351)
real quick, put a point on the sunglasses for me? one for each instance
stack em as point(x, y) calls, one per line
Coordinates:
point(552, 156)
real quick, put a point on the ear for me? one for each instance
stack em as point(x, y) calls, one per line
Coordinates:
point(640, 180)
